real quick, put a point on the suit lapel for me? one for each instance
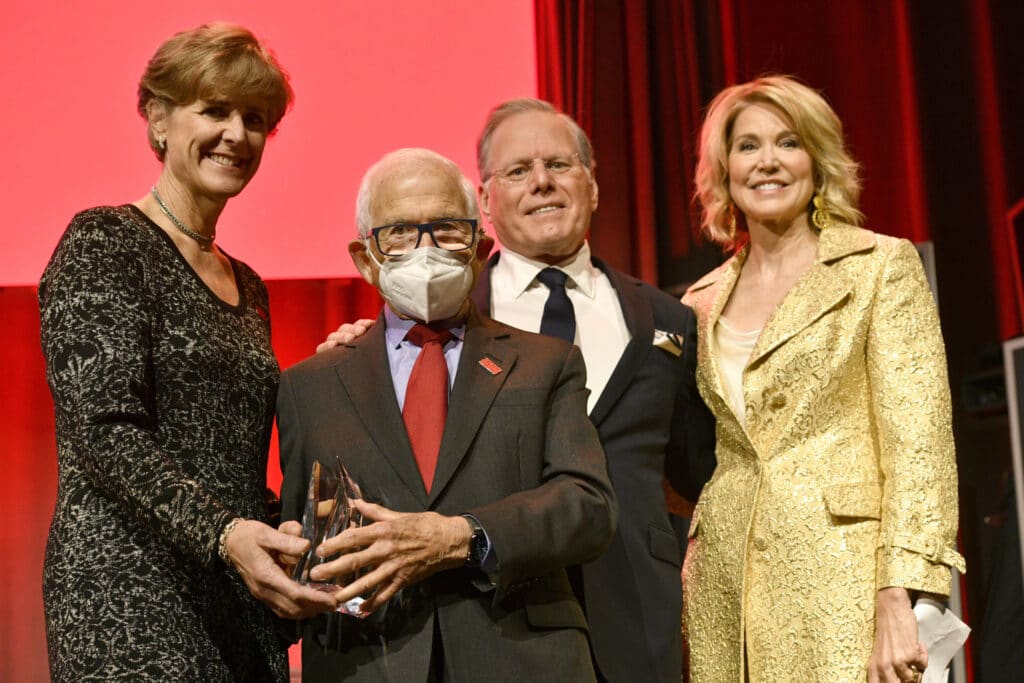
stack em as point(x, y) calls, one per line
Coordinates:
point(472, 394)
point(708, 297)
point(714, 304)
point(367, 379)
point(639, 317)
point(819, 290)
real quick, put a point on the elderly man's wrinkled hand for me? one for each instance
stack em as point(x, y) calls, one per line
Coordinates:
point(396, 550)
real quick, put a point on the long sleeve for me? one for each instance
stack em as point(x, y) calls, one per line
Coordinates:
point(911, 409)
point(97, 338)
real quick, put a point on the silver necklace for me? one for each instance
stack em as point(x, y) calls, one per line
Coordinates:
point(205, 242)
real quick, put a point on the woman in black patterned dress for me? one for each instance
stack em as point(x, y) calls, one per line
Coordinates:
point(158, 356)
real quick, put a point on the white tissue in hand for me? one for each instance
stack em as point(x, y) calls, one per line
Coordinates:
point(942, 633)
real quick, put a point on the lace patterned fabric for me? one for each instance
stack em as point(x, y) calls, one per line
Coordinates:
point(844, 480)
point(164, 398)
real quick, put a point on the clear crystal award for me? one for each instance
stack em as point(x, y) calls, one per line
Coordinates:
point(329, 510)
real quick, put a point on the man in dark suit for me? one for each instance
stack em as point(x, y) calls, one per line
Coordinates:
point(477, 520)
point(539, 191)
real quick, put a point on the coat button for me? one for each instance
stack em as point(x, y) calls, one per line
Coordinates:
point(760, 543)
point(778, 401)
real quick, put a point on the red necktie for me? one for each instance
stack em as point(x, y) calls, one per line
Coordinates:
point(426, 398)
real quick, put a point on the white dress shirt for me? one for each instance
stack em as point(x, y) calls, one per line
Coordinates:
point(402, 354)
point(518, 298)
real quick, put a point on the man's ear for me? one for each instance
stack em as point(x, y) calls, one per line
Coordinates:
point(484, 197)
point(483, 247)
point(483, 250)
point(593, 191)
point(367, 267)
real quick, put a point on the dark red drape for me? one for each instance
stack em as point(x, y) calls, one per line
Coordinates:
point(633, 91)
point(637, 76)
point(929, 93)
point(30, 487)
point(303, 312)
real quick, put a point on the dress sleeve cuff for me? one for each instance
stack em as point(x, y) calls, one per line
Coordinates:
point(917, 565)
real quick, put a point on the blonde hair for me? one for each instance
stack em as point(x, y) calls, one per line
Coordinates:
point(213, 61)
point(836, 174)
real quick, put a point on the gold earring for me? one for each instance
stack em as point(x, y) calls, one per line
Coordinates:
point(820, 216)
point(732, 222)
point(161, 143)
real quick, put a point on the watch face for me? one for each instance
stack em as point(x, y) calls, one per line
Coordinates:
point(477, 546)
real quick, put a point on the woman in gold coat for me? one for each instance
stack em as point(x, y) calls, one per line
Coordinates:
point(834, 502)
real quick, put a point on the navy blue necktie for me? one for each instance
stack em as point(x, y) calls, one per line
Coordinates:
point(559, 319)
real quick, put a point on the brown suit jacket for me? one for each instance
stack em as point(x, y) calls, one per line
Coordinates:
point(653, 425)
point(518, 452)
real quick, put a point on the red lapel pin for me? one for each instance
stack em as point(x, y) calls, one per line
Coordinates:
point(489, 365)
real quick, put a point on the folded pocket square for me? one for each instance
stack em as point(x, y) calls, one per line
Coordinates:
point(669, 341)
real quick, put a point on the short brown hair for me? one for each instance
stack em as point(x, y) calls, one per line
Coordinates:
point(523, 105)
point(214, 60)
point(836, 174)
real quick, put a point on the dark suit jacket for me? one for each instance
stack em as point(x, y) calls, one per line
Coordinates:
point(518, 453)
point(652, 423)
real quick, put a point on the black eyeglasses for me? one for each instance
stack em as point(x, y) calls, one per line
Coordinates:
point(450, 234)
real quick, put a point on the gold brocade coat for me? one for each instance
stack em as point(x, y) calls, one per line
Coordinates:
point(842, 483)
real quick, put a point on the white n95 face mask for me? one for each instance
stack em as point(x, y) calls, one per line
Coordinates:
point(427, 283)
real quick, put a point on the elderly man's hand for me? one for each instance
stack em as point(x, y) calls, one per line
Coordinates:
point(398, 549)
point(252, 547)
point(345, 334)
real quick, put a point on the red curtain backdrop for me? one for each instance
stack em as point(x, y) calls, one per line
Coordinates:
point(30, 487)
point(637, 76)
point(303, 312)
point(930, 95)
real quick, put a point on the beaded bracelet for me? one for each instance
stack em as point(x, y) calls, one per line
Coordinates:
point(222, 544)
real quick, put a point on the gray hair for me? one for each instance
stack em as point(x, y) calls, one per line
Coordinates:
point(523, 105)
point(364, 222)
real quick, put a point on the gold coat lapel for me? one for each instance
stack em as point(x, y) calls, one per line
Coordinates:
point(819, 290)
point(721, 289)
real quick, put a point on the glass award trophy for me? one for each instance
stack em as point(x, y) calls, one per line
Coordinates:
point(329, 510)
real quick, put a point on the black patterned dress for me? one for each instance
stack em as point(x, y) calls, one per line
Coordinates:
point(164, 399)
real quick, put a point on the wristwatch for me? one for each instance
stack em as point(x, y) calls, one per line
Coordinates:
point(477, 543)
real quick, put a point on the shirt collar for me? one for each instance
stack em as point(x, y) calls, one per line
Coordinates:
point(397, 328)
point(521, 271)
